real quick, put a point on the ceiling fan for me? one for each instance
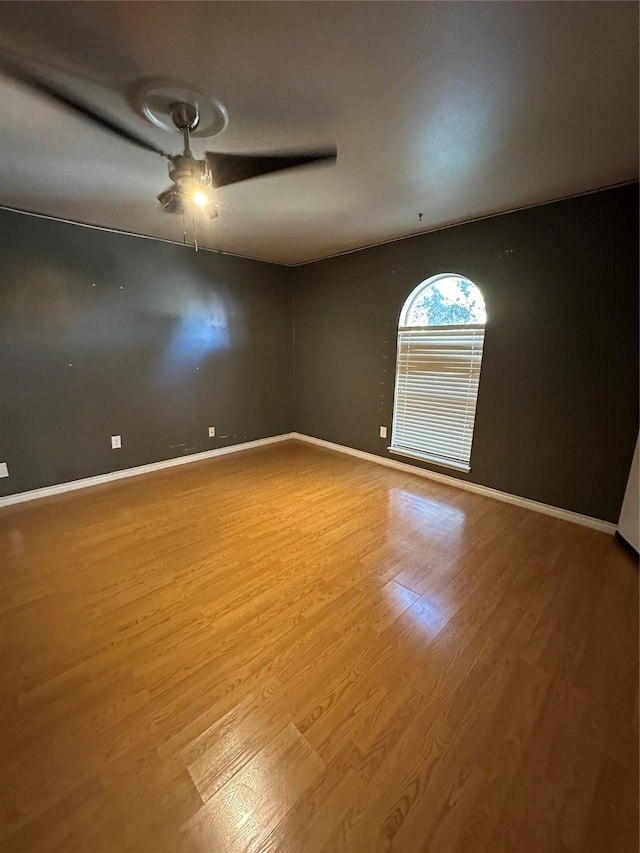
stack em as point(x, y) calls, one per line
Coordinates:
point(182, 109)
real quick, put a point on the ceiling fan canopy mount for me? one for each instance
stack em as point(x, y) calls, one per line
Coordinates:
point(158, 101)
point(185, 116)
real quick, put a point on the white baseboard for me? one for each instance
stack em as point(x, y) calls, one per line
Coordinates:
point(547, 509)
point(506, 497)
point(98, 480)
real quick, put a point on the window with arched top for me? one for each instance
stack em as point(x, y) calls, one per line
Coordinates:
point(440, 342)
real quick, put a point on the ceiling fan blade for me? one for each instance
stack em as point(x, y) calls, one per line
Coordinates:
point(22, 75)
point(233, 168)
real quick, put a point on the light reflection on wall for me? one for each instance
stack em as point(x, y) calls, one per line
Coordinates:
point(85, 313)
point(196, 335)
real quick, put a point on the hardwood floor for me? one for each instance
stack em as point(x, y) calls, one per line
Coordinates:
point(292, 650)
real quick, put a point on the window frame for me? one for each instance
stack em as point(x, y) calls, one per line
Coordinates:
point(420, 455)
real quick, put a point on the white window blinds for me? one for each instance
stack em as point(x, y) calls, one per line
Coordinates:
point(437, 377)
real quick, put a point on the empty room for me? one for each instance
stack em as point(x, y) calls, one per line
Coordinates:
point(319, 514)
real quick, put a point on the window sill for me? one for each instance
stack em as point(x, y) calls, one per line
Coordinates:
point(435, 460)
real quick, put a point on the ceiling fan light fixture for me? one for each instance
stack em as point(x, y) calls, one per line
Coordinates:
point(200, 198)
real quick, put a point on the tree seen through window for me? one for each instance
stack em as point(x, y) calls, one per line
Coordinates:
point(448, 301)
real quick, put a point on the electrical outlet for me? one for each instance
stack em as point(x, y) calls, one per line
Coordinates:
point(4, 469)
point(383, 432)
point(116, 442)
point(212, 432)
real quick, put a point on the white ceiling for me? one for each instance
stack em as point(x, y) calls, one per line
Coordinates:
point(453, 110)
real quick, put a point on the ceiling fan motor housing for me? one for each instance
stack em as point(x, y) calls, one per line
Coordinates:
point(187, 170)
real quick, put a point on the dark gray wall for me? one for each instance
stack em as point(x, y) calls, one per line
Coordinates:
point(558, 401)
point(105, 334)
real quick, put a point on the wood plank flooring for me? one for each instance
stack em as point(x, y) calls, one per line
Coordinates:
point(292, 650)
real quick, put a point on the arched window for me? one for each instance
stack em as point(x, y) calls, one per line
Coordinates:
point(440, 341)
